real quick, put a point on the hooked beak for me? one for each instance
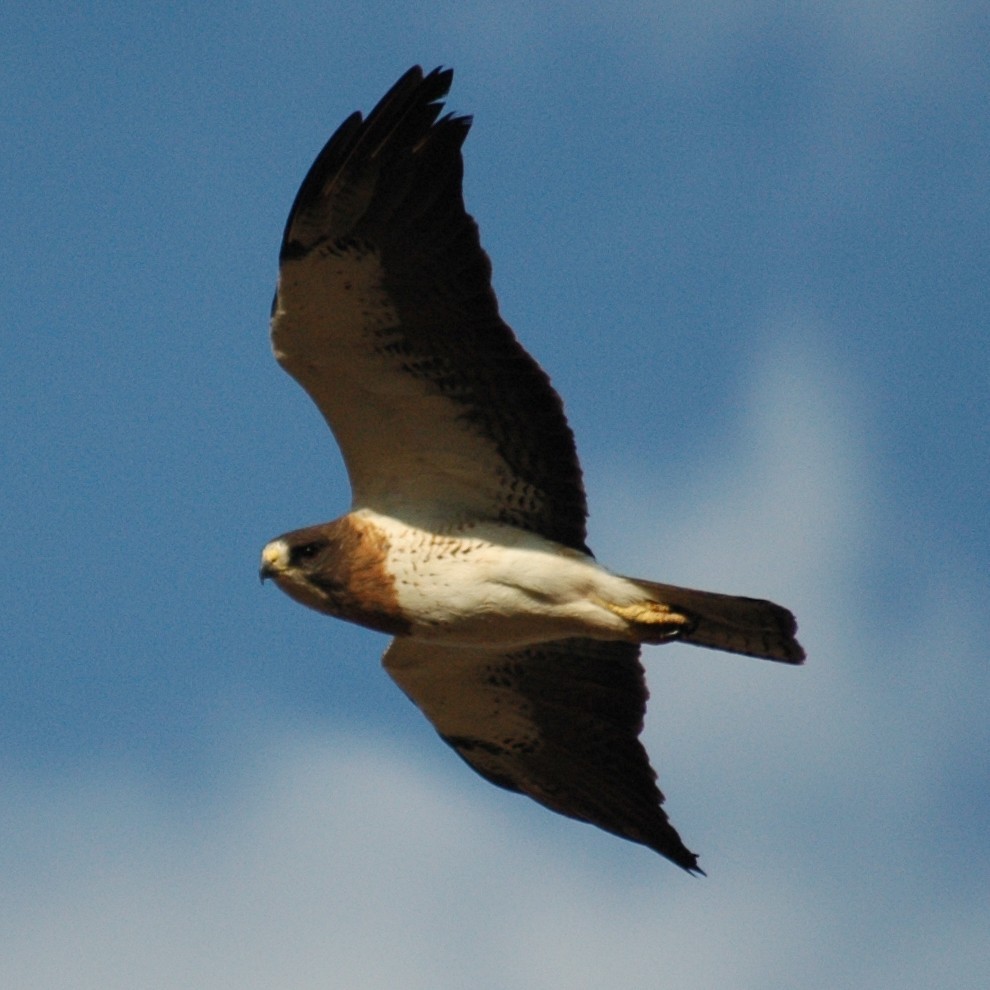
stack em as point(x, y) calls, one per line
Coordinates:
point(274, 559)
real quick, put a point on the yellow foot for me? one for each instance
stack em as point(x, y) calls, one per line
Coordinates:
point(652, 622)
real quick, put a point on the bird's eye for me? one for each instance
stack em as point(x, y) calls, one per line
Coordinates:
point(307, 551)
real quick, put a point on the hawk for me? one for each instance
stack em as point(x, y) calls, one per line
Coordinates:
point(466, 535)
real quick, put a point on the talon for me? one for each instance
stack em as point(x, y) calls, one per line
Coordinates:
point(653, 622)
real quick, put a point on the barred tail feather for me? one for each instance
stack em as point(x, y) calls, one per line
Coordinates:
point(750, 626)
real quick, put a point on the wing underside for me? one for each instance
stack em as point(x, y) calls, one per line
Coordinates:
point(556, 721)
point(386, 316)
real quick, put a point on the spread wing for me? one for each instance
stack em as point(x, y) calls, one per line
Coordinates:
point(556, 721)
point(385, 315)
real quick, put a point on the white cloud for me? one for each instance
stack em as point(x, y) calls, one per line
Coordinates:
point(353, 866)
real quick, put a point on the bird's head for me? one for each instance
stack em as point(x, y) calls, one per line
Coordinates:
point(339, 569)
point(307, 565)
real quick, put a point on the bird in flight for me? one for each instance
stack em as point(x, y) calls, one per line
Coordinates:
point(466, 535)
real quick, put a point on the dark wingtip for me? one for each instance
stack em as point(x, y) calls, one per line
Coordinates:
point(411, 106)
point(670, 846)
point(687, 861)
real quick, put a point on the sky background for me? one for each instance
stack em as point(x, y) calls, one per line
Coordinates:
point(749, 243)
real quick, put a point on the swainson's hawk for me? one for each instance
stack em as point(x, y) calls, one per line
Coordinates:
point(466, 535)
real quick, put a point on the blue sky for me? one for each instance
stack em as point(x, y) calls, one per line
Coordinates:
point(748, 242)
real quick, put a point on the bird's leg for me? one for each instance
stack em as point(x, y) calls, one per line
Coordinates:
point(652, 622)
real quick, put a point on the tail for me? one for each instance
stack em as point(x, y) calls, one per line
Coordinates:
point(751, 626)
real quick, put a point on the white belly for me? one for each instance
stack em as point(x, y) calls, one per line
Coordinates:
point(493, 585)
